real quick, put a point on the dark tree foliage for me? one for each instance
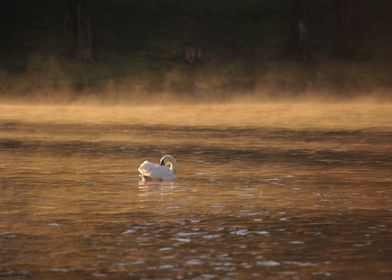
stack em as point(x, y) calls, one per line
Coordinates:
point(352, 24)
point(298, 45)
point(79, 29)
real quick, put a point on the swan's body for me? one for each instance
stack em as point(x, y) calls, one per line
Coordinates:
point(164, 172)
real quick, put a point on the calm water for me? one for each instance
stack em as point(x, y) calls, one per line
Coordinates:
point(263, 203)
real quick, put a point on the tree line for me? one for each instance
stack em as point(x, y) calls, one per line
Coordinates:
point(350, 35)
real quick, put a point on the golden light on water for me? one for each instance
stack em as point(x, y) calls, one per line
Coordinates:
point(261, 187)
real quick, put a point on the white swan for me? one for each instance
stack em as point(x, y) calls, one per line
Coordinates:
point(164, 172)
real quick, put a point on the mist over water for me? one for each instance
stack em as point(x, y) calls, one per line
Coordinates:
point(276, 190)
point(251, 113)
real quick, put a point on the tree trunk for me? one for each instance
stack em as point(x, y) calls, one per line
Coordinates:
point(298, 43)
point(79, 30)
point(351, 29)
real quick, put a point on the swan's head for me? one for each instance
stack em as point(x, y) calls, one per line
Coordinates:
point(170, 161)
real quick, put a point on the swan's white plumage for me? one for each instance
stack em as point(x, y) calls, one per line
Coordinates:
point(150, 170)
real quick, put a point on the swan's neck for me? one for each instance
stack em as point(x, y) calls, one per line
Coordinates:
point(172, 166)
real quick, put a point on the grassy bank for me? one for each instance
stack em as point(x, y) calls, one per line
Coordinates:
point(139, 44)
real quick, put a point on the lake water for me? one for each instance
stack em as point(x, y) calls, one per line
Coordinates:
point(263, 192)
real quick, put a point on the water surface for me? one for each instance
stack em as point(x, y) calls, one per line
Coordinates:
point(276, 201)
